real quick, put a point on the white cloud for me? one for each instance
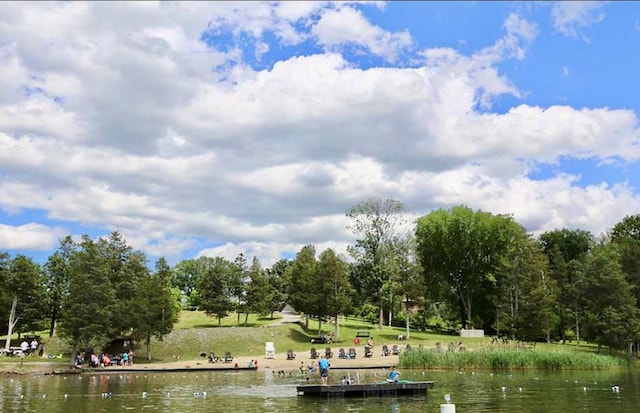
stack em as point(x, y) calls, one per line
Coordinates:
point(138, 126)
point(571, 17)
point(346, 25)
point(32, 236)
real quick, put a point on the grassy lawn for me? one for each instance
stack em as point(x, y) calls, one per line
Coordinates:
point(197, 333)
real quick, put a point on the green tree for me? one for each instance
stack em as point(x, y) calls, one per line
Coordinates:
point(460, 251)
point(626, 235)
point(612, 314)
point(239, 279)
point(526, 301)
point(125, 269)
point(22, 283)
point(186, 275)
point(56, 271)
point(568, 251)
point(215, 287)
point(333, 291)
point(87, 311)
point(279, 285)
point(407, 278)
point(302, 289)
point(259, 291)
point(378, 226)
point(156, 306)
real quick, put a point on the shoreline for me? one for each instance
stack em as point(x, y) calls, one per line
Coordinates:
point(279, 363)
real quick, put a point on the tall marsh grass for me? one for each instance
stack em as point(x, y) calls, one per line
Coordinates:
point(506, 359)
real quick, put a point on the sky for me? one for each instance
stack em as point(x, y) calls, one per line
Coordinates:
point(215, 128)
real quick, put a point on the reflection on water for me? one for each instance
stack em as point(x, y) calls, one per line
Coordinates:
point(265, 391)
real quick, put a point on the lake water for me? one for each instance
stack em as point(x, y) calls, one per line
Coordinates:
point(265, 391)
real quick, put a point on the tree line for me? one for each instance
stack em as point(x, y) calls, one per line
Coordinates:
point(451, 269)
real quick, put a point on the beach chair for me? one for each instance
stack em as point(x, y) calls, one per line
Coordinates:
point(367, 351)
point(328, 353)
point(352, 353)
point(228, 358)
point(385, 350)
point(291, 355)
point(270, 350)
point(342, 354)
point(395, 350)
point(313, 353)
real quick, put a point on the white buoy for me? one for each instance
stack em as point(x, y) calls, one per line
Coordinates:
point(448, 407)
point(615, 389)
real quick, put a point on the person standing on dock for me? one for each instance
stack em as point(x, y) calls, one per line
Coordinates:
point(394, 375)
point(323, 366)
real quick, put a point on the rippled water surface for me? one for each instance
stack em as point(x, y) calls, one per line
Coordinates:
point(265, 391)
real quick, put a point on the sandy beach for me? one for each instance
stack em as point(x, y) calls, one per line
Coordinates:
point(280, 363)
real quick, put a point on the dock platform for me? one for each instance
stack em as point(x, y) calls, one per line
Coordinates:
point(367, 390)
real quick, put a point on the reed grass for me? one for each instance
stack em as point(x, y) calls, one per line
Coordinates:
point(508, 359)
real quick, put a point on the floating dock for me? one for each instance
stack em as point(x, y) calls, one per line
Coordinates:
point(367, 390)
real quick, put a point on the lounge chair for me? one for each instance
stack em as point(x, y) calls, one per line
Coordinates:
point(342, 354)
point(367, 351)
point(291, 355)
point(352, 353)
point(270, 350)
point(313, 353)
point(385, 350)
point(395, 350)
point(328, 353)
point(228, 358)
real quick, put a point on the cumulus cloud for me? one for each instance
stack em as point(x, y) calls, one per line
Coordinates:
point(126, 118)
point(32, 236)
point(571, 17)
point(347, 25)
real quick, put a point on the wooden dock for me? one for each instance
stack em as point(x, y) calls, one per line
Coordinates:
point(418, 388)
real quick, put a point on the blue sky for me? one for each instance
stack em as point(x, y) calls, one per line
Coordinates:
point(219, 128)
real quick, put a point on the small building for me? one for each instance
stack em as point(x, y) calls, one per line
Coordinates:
point(119, 345)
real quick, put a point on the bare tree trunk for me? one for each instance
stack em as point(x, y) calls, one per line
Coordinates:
point(337, 328)
point(13, 320)
point(149, 347)
point(577, 327)
point(406, 321)
point(381, 315)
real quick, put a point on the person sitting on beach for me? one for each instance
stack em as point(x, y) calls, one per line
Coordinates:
point(461, 346)
point(394, 375)
point(311, 368)
point(370, 342)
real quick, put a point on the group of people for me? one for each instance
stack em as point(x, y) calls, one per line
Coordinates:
point(323, 368)
point(31, 348)
point(104, 360)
